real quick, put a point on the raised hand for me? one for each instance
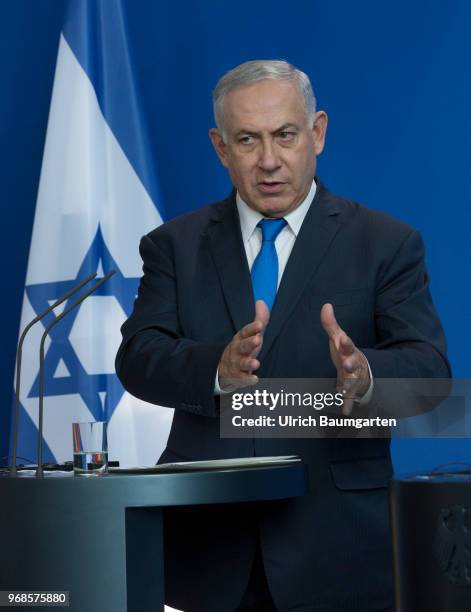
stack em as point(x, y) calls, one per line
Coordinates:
point(353, 377)
point(239, 359)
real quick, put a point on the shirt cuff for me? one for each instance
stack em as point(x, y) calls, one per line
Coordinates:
point(367, 397)
point(219, 391)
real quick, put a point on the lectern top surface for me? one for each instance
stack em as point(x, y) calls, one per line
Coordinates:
point(158, 490)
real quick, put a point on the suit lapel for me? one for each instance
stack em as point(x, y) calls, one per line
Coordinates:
point(312, 243)
point(229, 257)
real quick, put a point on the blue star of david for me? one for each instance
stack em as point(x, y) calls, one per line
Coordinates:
point(88, 386)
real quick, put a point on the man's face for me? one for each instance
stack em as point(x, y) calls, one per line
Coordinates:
point(271, 148)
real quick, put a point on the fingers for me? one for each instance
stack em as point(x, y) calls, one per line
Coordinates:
point(231, 384)
point(256, 327)
point(342, 343)
point(354, 382)
point(239, 360)
point(346, 346)
point(262, 314)
point(350, 363)
point(248, 380)
point(329, 322)
point(349, 388)
point(249, 364)
point(250, 346)
point(251, 335)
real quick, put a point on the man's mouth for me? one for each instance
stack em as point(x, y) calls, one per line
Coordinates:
point(271, 186)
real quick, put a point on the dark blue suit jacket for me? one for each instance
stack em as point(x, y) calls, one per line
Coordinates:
point(330, 550)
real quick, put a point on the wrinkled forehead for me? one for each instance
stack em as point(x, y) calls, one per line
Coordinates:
point(264, 106)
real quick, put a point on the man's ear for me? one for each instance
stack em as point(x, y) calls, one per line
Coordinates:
point(219, 145)
point(319, 130)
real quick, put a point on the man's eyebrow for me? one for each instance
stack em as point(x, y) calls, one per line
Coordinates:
point(285, 126)
point(246, 133)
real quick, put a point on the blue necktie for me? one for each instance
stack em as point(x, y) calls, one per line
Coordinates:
point(265, 267)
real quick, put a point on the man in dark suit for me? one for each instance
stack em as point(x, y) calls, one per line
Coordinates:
point(267, 284)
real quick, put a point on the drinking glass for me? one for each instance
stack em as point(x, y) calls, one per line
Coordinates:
point(90, 448)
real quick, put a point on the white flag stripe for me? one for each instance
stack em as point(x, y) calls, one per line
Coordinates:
point(138, 432)
point(85, 179)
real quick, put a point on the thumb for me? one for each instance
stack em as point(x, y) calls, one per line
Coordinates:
point(262, 313)
point(329, 322)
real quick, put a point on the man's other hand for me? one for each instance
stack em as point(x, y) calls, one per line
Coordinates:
point(353, 378)
point(239, 359)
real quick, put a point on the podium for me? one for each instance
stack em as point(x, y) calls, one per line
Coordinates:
point(101, 538)
point(431, 528)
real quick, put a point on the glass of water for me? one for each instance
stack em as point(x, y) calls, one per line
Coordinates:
point(90, 448)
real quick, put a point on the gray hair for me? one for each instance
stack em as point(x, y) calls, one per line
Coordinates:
point(259, 70)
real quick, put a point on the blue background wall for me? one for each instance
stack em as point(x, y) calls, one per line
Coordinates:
point(393, 77)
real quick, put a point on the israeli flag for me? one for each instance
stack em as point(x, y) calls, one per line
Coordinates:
point(97, 197)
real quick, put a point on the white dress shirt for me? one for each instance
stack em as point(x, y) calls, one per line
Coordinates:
point(284, 242)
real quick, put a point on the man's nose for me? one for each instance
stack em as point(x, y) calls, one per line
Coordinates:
point(269, 159)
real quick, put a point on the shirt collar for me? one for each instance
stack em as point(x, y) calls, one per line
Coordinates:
point(250, 217)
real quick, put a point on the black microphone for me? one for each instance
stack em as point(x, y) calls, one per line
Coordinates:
point(79, 300)
point(13, 470)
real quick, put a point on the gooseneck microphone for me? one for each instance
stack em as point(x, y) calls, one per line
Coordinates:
point(79, 300)
point(19, 351)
